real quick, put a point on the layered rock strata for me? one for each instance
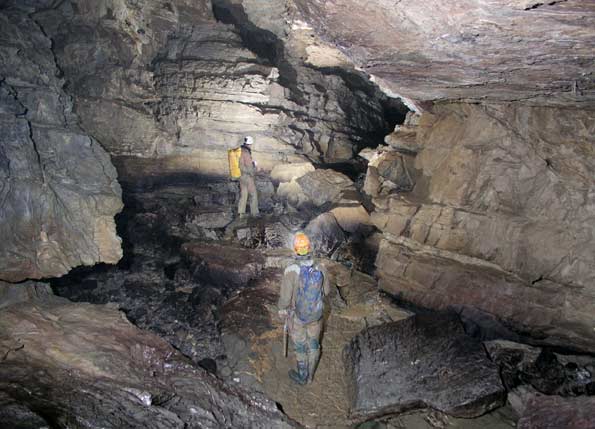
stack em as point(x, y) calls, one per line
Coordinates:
point(107, 373)
point(166, 82)
point(58, 187)
point(541, 52)
point(501, 218)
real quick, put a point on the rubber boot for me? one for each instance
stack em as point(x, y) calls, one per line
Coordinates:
point(301, 375)
point(313, 358)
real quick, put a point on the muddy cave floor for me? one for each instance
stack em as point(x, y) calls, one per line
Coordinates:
point(225, 320)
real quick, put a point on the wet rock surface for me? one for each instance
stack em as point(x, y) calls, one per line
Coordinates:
point(86, 365)
point(549, 412)
point(423, 361)
point(542, 369)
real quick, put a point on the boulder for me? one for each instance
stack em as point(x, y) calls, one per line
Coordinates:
point(292, 193)
point(209, 219)
point(555, 412)
point(325, 234)
point(289, 172)
point(423, 361)
point(351, 218)
point(224, 265)
point(325, 186)
point(543, 370)
point(87, 364)
point(404, 137)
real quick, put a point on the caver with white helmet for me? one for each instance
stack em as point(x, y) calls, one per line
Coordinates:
point(247, 183)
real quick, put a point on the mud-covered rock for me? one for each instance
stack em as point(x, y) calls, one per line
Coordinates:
point(101, 371)
point(555, 412)
point(226, 265)
point(542, 369)
point(423, 361)
point(503, 196)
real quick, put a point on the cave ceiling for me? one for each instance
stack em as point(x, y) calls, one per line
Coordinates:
point(506, 50)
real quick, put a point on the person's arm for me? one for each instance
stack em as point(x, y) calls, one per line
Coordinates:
point(287, 284)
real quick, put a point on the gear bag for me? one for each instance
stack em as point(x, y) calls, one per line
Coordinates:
point(308, 303)
point(233, 156)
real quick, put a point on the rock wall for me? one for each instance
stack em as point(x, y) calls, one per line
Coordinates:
point(501, 218)
point(58, 188)
point(173, 82)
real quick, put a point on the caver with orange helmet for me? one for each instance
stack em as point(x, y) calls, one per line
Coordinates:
point(301, 304)
point(301, 244)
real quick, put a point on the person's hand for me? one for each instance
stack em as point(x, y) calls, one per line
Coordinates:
point(282, 314)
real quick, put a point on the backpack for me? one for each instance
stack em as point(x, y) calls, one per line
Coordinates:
point(308, 303)
point(233, 156)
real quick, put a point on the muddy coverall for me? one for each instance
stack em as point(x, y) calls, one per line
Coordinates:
point(247, 184)
point(305, 337)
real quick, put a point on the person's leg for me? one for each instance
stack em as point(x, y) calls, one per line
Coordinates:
point(243, 196)
point(313, 331)
point(299, 339)
point(253, 198)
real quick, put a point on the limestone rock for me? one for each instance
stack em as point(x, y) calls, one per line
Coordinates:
point(58, 187)
point(388, 172)
point(107, 373)
point(406, 269)
point(404, 137)
point(210, 219)
point(423, 361)
point(495, 197)
point(179, 84)
point(541, 369)
point(289, 172)
point(225, 265)
point(446, 51)
point(351, 218)
point(292, 193)
point(554, 412)
point(28, 291)
point(325, 186)
point(325, 234)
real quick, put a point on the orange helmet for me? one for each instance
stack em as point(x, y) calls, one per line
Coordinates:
point(301, 244)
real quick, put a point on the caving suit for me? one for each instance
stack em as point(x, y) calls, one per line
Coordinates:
point(247, 183)
point(305, 336)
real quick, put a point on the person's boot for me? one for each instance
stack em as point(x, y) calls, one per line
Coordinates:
point(313, 358)
point(301, 375)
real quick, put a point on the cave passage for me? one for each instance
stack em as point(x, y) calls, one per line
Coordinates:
point(444, 182)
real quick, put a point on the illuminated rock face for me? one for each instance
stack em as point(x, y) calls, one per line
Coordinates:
point(501, 219)
point(181, 82)
point(58, 188)
point(540, 52)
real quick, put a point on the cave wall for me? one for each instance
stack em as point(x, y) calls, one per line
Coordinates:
point(175, 83)
point(502, 218)
point(58, 188)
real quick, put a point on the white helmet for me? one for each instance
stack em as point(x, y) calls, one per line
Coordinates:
point(248, 140)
